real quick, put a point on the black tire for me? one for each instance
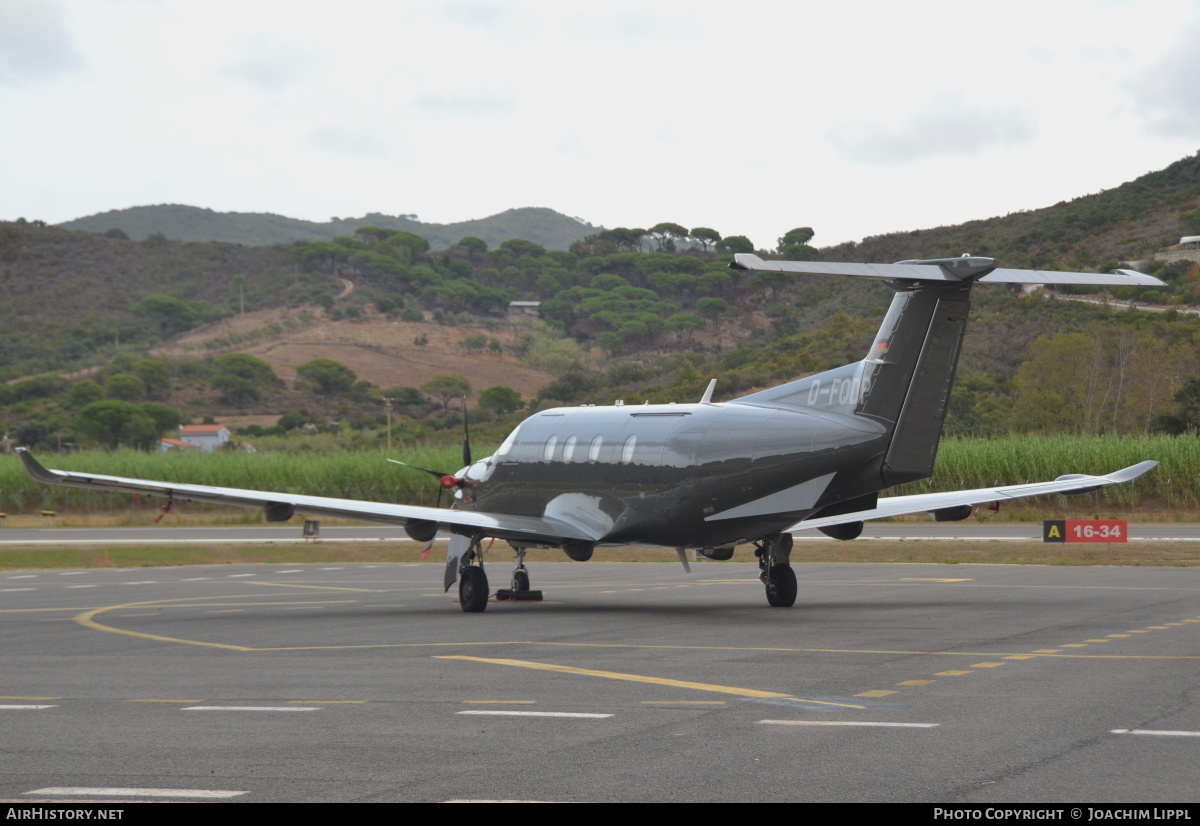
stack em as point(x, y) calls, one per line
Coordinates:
point(473, 590)
point(781, 586)
point(520, 581)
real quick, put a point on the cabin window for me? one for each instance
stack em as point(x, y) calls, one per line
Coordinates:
point(548, 453)
point(594, 449)
point(508, 443)
point(569, 448)
point(627, 450)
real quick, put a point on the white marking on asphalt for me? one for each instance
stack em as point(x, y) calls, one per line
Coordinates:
point(12, 590)
point(333, 569)
point(237, 575)
point(14, 708)
point(1158, 733)
point(485, 800)
point(92, 585)
point(195, 578)
point(536, 714)
point(293, 571)
point(143, 582)
point(846, 723)
point(251, 708)
point(71, 573)
point(24, 576)
point(120, 792)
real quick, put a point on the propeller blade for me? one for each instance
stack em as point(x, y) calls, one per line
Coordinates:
point(466, 445)
point(436, 473)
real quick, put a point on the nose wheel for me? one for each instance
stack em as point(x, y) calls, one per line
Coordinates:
point(518, 590)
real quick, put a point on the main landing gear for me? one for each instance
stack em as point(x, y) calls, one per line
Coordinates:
point(464, 563)
point(774, 560)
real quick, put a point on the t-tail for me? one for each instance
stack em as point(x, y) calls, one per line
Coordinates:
point(905, 379)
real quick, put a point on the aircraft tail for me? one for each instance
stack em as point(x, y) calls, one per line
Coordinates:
point(905, 379)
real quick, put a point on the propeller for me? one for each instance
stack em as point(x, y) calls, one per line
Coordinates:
point(448, 481)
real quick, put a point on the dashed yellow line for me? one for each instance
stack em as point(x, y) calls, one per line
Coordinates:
point(987, 665)
point(499, 702)
point(876, 693)
point(917, 682)
point(952, 673)
point(157, 700)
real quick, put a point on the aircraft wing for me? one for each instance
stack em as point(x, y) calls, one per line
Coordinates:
point(921, 502)
point(279, 507)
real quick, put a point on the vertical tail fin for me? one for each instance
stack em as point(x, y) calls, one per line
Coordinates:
point(905, 380)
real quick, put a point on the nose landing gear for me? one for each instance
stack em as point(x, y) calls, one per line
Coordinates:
point(518, 590)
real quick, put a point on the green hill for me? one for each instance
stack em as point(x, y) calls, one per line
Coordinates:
point(550, 229)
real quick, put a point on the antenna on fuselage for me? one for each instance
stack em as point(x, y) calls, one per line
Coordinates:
point(708, 391)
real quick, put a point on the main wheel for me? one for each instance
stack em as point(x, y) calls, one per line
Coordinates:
point(473, 589)
point(520, 581)
point(781, 586)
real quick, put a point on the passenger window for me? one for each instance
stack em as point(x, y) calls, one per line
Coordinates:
point(569, 449)
point(548, 453)
point(594, 450)
point(627, 450)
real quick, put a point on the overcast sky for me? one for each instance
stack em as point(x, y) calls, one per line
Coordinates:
point(747, 117)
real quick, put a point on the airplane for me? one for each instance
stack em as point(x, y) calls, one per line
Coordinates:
point(813, 453)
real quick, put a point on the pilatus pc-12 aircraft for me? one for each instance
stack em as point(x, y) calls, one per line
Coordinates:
point(812, 453)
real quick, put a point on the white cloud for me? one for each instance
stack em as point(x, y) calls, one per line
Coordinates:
point(271, 65)
point(364, 142)
point(1167, 94)
point(946, 126)
point(34, 41)
point(475, 104)
point(476, 13)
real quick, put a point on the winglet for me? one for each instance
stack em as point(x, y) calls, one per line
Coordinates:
point(1132, 472)
point(34, 468)
point(707, 397)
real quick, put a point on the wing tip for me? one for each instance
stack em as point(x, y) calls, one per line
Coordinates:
point(35, 468)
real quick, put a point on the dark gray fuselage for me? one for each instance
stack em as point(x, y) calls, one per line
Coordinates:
point(712, 475)
point(655, 474)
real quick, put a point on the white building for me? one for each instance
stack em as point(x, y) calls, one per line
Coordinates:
point(205, 436)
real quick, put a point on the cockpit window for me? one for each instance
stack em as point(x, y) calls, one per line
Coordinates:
point(508, 443)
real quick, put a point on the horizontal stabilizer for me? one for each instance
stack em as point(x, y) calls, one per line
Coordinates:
point(921, 502)
point(966, 268)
